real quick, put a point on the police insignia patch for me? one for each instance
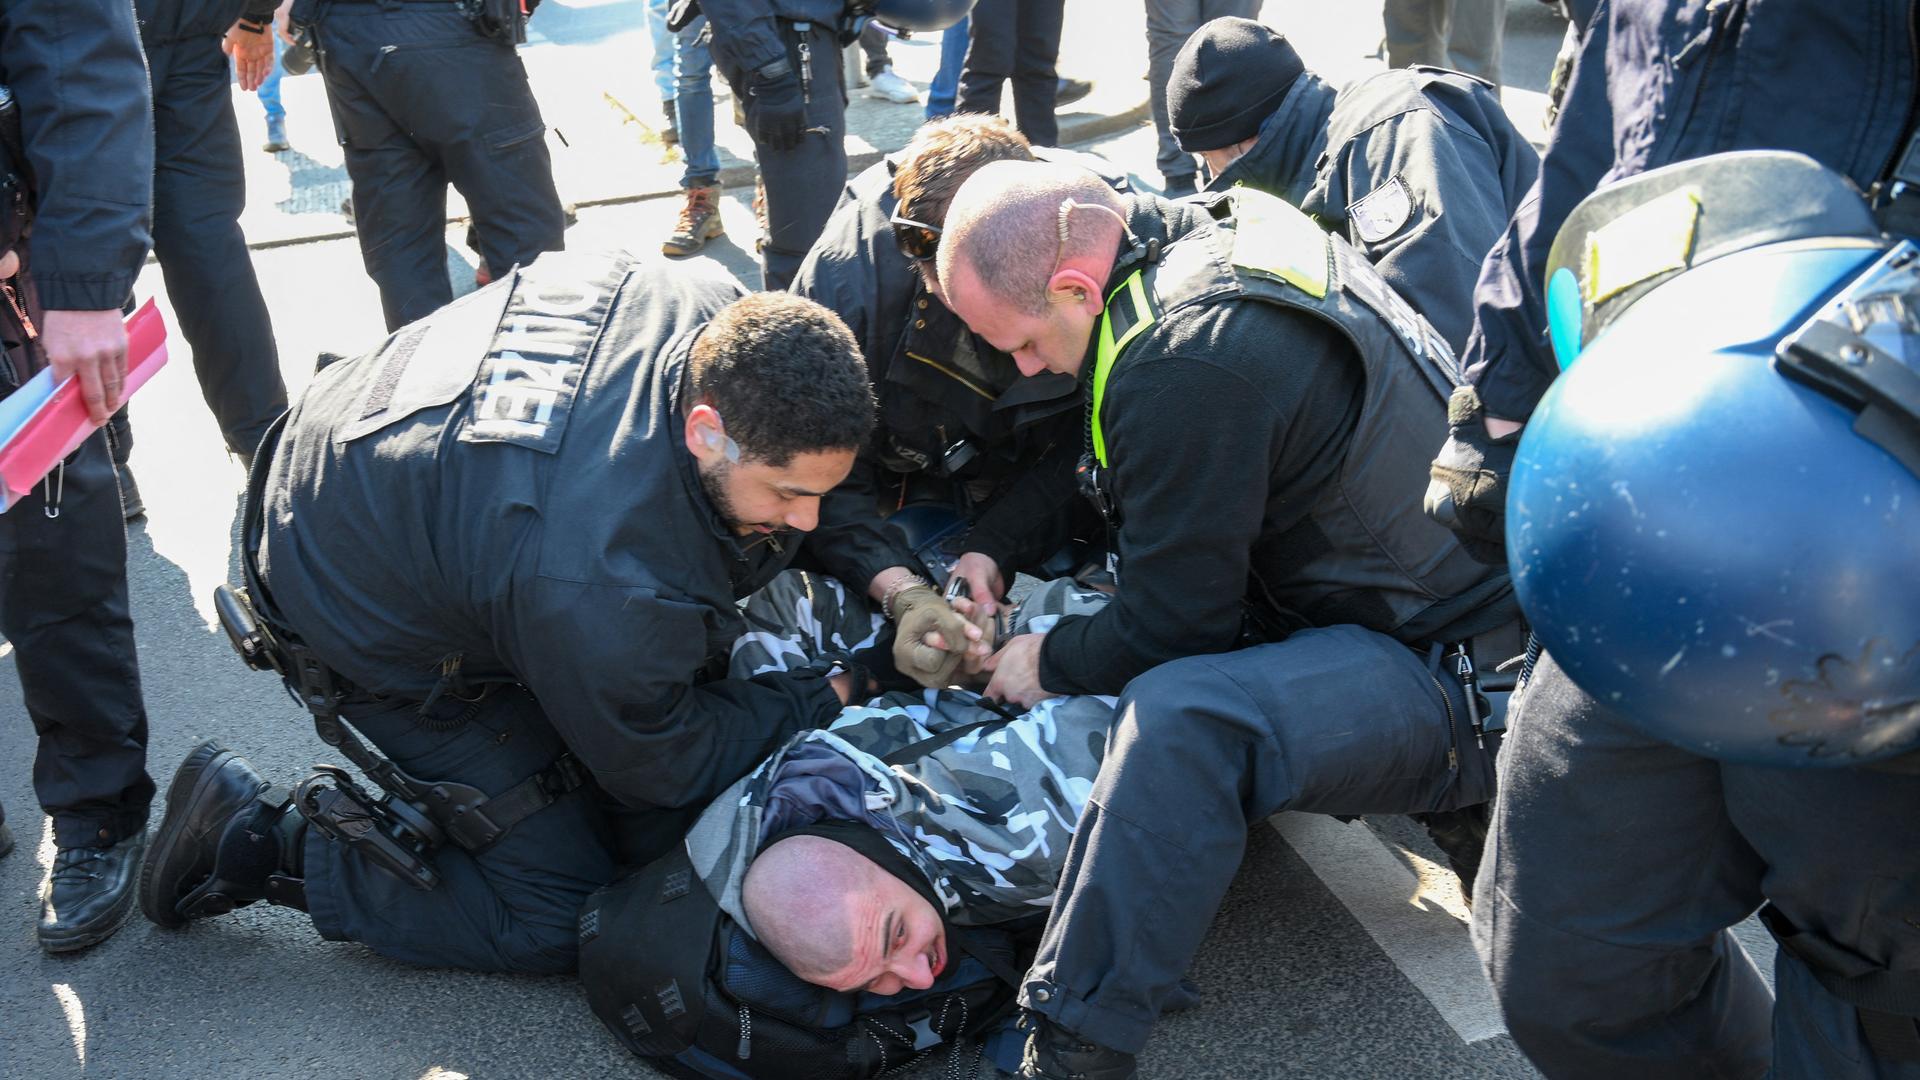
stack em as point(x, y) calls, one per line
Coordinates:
point(1384, 211)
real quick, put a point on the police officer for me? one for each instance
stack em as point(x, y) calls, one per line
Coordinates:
point(960, 427)
point(1255, 389)
point(81, 164)
point(199, 190)
point(782, 58)
point(1624, 962)
point(1420, 169)
point(506, 547)
point(427, 93)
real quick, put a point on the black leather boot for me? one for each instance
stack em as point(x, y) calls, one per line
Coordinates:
point(89, 894)
point(1054, 1053)
point(1461, 835)
point(228, 839)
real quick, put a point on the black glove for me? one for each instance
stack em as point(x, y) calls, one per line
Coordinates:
point(776, 112)
point(1468, 492)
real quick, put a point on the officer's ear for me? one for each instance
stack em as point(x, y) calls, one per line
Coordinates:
point(706, 434)
point(1071, 286)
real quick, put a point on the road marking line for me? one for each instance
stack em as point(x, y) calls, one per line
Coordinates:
point(1422, 930)
point(76, 1019)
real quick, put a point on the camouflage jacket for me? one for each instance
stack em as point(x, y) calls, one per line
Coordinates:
point(987, 817)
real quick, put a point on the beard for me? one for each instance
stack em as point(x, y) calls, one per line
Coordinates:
point(713, 481)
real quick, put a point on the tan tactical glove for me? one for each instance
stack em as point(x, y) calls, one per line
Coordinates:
point(917, 612)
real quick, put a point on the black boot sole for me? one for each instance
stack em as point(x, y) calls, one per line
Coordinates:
point(87, 935)
point(160, 877)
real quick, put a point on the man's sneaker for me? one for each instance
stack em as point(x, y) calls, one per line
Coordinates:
point(276, 135)
point(699, 222)
point(131, 504)
point(89, 894)
point(890, 87)
point(1054, 1053)
point(221, 840)
point(1069, 91)
point(670, 134)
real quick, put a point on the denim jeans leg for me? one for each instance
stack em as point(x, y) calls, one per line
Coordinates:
point(695, 85)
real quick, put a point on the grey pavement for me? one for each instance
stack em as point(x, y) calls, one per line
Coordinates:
point(1340, 951)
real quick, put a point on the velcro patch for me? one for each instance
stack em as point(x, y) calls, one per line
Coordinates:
point(1384, 211)
point(1651, 239)
point(525, 387)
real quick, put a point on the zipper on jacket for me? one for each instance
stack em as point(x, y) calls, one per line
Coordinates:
point(1453, 743)
point(745, 1049)
point(19, 311)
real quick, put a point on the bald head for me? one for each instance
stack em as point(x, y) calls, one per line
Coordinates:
point(797, 893)
point(1006, 228)
point(836, 919)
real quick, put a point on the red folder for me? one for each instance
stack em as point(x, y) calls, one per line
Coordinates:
point(58, 427)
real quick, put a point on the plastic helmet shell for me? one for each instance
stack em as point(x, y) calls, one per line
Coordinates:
point(921, 16)
point(1705, 545)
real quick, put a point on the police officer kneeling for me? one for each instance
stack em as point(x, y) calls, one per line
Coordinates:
point(1256, 390)
point(506, 547)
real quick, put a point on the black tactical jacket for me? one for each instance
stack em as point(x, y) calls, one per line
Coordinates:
point(1419, 168)
point(944, 395)
point(76, 71)
point(507, 481)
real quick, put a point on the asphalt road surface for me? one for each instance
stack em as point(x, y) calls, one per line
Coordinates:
point(1341, 951)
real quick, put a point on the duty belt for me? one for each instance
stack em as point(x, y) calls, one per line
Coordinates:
point(468, 816)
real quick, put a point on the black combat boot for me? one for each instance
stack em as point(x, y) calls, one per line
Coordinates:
point(1461, 835)
point(6, 834)
point(1054, 1053)
point(228, 839)
point(89, 894)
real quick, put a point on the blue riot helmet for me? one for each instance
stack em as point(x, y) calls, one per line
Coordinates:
point(920, 16)
point(1714, 514)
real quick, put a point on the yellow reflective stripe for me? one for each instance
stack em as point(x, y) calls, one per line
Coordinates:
point(952, 374)
point(1135, 286)
point(1275, 238)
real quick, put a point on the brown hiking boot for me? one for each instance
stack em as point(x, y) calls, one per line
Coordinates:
point(699, 222)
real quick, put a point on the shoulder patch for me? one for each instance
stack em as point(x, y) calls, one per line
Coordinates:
point(1384, 211)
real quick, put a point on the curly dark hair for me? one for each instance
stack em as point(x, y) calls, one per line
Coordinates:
point(786, 377)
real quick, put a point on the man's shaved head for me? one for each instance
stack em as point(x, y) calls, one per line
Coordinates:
point(1005, 225)
point(836, 919)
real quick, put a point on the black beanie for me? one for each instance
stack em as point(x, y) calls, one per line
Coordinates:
point(1228, 78)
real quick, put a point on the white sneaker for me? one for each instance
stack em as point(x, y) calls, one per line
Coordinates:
point(890, 87)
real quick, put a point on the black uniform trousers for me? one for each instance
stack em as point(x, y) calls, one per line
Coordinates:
point(511, 907)
point(199, 190)
point(63, 608)
point(1339, 720)
point(1018, 40)
point(1617, 862)
point(422, 99)
point(802, 184)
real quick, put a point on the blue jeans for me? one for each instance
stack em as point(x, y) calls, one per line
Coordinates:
point(663, 50)
point(946, 82)
point(695, 85)
point(269, 91)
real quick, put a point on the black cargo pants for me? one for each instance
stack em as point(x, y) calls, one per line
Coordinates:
point(1338, 720)
point(63, 608)
point(803, 184)
point(421, 99)
point(199, 190)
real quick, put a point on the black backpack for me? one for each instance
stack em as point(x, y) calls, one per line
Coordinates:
point(682, 985)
